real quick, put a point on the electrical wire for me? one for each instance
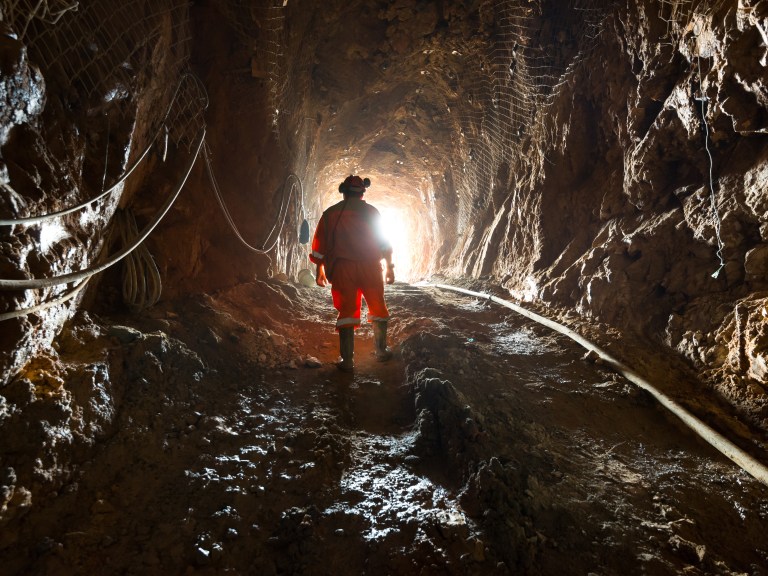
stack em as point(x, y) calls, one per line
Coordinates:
point(112, 188)
point(745, 461)
point(108, 191)
point(45, 305)
point(281, 216)
point(106, 155)
point(713, 200)
point(25, 284)
point(284, 206)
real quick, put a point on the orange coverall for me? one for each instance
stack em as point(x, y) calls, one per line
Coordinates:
point(349, 242)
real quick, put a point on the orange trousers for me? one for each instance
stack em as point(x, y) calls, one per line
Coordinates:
point(353, 280)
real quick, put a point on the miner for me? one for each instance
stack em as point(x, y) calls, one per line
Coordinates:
point(347, 249)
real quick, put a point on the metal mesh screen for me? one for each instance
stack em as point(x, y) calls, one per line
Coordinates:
point(21, 13)
point(517, 79)
point(186, 115)
point(508, 89)
point(679, 14)
point(98, 53)
point(260, 25)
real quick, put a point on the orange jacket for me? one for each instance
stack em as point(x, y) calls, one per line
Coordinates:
point(350, 229)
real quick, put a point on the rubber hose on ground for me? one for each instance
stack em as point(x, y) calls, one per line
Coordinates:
point(745, 461)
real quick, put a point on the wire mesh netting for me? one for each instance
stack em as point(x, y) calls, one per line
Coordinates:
point(21, 13)
point(103, 52)
point(104, 64)
point(260, 25)
point(507, 90)
point(515, 82)
point(680, 15)
point(186, 116)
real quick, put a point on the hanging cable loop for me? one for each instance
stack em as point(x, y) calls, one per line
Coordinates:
point(87, 273)
point(703, 99)
point(142, 284)
point(292, 179)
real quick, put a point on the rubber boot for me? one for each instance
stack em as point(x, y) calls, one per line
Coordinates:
point(346, 349)
point(380, 341)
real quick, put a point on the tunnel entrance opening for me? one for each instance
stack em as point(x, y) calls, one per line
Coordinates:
point(410, 226)
point(397, 227)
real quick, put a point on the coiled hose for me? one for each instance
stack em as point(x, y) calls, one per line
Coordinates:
point(83, 275)
point(142, 285)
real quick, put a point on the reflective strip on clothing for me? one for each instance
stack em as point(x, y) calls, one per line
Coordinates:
point(377, 318)
point(317, 255)
point(348, 322)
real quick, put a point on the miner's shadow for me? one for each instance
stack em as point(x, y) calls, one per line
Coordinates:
point(375, 398)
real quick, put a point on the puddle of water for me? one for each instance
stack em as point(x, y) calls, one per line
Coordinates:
point(378, 488)
point(517, 340)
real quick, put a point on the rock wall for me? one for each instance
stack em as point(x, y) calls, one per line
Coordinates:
point(569, 150)
point(594, 156)
point(653, 139)
point(86, 94)
point(560, 149)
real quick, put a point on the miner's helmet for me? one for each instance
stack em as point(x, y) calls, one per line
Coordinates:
point(354, 185)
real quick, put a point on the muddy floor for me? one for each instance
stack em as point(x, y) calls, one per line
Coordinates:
point(215, 436)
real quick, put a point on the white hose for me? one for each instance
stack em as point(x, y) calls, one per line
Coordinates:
point(281, 216)
point(142, 283)
point(25, 284)
point(45, 305)
point(51, 215)
point(748, 463)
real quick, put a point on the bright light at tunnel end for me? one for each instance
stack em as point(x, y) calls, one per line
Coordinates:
point(396, 228)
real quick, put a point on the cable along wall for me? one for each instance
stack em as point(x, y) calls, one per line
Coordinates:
point(262, 27)
point(114, 89)
point(509, 129)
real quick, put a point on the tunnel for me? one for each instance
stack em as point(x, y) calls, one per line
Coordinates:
point(575, 196)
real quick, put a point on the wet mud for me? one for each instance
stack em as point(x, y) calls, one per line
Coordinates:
point(224, 440)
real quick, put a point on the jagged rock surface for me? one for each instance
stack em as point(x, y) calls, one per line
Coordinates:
point(601, 202)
